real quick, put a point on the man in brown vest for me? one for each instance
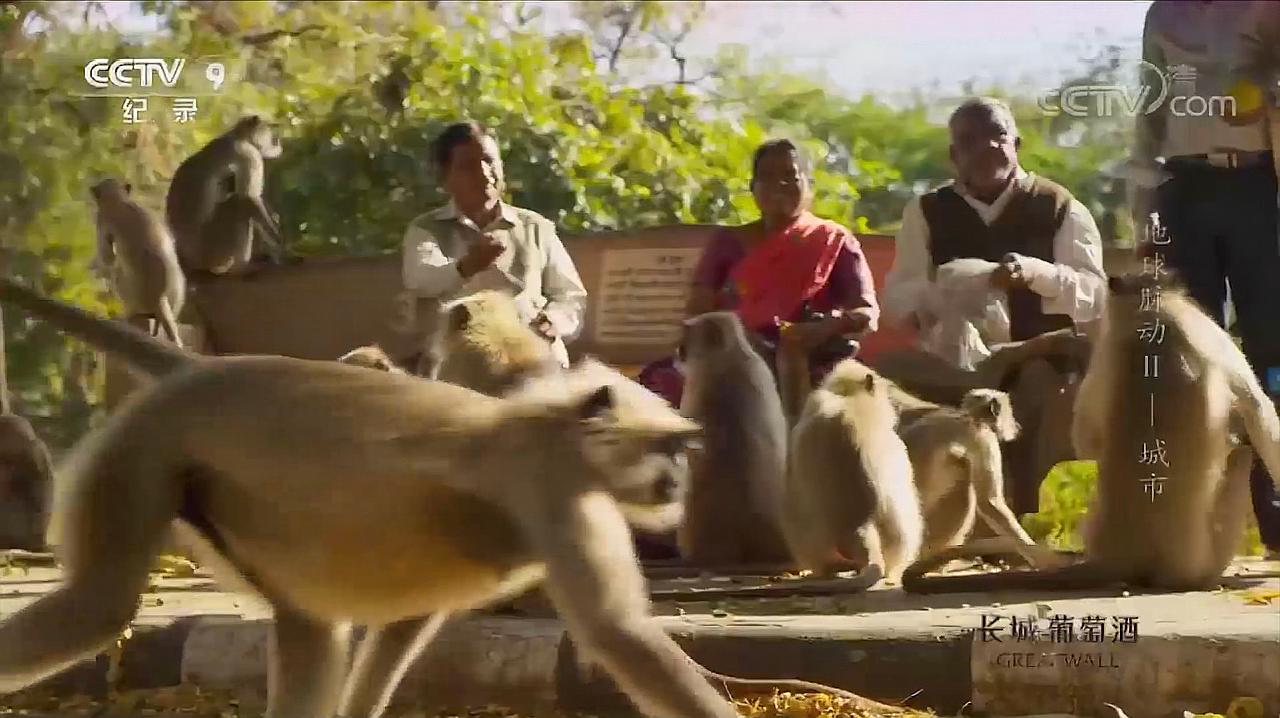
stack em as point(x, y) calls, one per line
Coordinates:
point(1030, 263)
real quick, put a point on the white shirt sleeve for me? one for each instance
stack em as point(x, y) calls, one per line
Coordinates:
point(907, 289)
point(566, 296)
point(1074, 285)
point(427, 272)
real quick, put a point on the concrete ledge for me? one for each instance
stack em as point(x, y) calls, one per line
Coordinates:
point(1189, 652)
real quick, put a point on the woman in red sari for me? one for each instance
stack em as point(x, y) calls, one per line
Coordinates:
point(781, 267)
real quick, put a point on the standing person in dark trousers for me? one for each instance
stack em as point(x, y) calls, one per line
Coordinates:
point(1211, 176)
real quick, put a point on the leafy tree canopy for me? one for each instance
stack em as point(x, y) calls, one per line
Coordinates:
point(358, 89)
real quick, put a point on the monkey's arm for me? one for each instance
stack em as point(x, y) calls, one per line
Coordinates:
point(599, 592)
point(1007, 356)
point(250, 184)
point(106, 256)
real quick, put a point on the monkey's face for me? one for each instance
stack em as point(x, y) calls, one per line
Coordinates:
point(108, 190)
point(706, 336)
point(649, 474)
point(256, 131)
point(266, 141)
point(991, 407)
point(640, 451)
point(629, 441)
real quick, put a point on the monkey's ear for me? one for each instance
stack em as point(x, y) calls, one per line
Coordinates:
point(869, 383)
point(128, 188)
point(459, 317)
point(994, 407)
point(596, 404)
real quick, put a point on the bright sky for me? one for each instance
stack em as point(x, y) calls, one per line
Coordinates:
point(889, 48)
point(897, 46)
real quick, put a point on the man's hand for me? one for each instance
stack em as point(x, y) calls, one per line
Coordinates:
point(1009, 274)
point(543, 326)
point(480, 255)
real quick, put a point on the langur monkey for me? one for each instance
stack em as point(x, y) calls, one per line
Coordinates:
point(215, 200)
point(138, 251)
point(850, 501)
point(482, 497)
point(959, 474)
point(371, 357)
point(1156, 409)
point(733, 513)
point(481, 343)
point(26, 473)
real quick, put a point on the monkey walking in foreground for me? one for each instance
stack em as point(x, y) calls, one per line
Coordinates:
point(26, 473)
point(480, 497)
point(481, 343)
point(1156, 408)
point(733, 513)
point(215, 200)
point(138, 251)
point(850, 501)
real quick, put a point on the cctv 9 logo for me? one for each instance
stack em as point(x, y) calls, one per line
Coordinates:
point(102, 73)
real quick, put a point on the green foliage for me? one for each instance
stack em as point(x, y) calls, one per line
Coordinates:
point(1064, 500)
point(358, 90)
point(1065, 495)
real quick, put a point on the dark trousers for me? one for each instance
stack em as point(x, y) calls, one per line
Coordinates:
point(1223, 230)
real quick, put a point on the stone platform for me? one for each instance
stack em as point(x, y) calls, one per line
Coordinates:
point(1152, 655)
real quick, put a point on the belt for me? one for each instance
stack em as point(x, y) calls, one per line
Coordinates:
point(1221, 160)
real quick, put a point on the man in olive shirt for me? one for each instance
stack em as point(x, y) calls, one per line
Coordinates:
point(478, 242)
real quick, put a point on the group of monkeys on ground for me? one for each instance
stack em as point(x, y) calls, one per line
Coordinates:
point(351, 492)
point(860, 474)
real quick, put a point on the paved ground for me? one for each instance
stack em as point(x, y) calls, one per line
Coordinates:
point(1152, 655)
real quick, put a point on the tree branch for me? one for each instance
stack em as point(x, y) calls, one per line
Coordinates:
point(624, 29)
point(273, 35)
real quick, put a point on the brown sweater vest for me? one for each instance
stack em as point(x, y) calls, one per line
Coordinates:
point(1026, 226)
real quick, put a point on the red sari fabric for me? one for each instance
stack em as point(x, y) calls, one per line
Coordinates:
point(787, 268)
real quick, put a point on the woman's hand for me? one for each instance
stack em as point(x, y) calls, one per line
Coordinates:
point(807, 336)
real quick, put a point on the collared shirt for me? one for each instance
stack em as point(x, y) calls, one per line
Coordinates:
point(535, 267)
point(1204, 47)
point(1074, 284)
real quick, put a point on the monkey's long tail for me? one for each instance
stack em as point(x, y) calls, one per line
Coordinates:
point(733, 688)
point(145, 353)
point(1073, 576)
